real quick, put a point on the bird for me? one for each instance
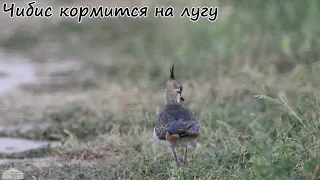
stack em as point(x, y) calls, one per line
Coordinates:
point(176, 126)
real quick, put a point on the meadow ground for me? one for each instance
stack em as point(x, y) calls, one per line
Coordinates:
point(251, 76)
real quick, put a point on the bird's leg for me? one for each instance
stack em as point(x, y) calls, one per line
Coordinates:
point(175, 156)
point(184, 159)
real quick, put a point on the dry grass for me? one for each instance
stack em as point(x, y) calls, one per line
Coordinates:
point(107, 146)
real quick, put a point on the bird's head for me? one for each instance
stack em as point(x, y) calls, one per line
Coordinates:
point(173, 89)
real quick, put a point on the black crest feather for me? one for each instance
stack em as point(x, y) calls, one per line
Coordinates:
point(172, 72)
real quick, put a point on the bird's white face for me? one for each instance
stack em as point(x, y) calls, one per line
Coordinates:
point(179, 96)
point(178, 89)
point(174, 91)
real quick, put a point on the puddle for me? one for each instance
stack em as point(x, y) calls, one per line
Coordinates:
point(17, 73)
point(17, 145)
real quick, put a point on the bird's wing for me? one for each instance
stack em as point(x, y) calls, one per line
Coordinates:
point(178, 127)
point(179, 121)
point(183, 128)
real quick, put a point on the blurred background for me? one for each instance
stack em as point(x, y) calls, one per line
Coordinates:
point(79, 100)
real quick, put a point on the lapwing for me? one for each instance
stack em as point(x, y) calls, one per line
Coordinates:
point(176, 125)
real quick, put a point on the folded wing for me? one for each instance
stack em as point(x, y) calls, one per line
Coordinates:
point(183, 129)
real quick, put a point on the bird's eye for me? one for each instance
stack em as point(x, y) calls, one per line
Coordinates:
point(181, 88)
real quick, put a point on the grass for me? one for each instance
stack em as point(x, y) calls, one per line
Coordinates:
point(251, 77)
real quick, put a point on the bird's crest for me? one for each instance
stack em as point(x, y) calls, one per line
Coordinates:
point(172, 72)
